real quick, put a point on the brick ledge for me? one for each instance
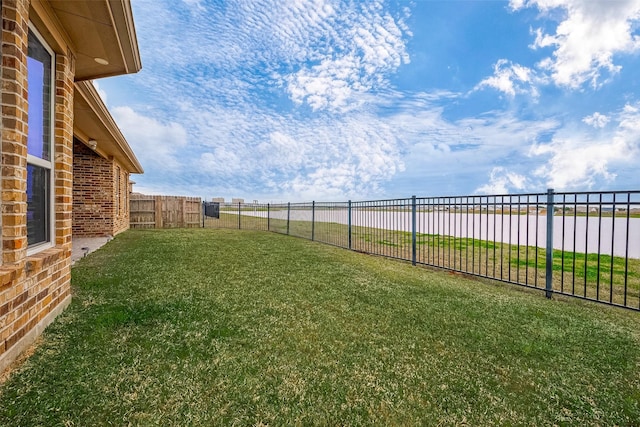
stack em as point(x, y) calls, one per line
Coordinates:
point(45, 258)
point(7, 358)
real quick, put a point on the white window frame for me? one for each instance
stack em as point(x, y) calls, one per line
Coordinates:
point(50, 164)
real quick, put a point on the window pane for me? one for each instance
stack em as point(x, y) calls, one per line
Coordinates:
point(118, 192)
point(37, 204)
point(39, 81)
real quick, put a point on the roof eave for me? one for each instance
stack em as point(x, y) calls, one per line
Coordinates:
point(123, 151)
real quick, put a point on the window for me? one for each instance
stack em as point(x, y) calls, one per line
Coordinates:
point(118, 191)
point(37, 204)
point(126, 193)
point(39, 141)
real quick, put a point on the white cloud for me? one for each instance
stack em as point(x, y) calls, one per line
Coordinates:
point(196, 4)
point(458, 152)
point(511, 79)
point(366, 45)
point(304, 157)
point(503, 181)
point(283, 151)
point(596, 120)
point(324, 54)
point(100, 91)
point(320, 87)
point(155, 143)
point(630, 119)
point(231, 80)
point(279, 151)
point(576, 161)
point(586, 40)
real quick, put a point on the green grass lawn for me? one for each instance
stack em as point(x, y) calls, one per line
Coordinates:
point(227, 327)
point(604, 278)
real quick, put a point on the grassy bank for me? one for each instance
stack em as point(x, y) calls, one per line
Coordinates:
point(601, 277)
point(222, 327)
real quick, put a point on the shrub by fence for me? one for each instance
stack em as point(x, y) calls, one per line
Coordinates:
point(165, 211)
point(584, 244)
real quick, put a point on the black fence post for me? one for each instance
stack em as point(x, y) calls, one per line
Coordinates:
point(288, 215)
point(268, 217)
point(313, 220)
point(203, 202)
point(413, 230)
point(239, 212)
point(349, 222)
point(549, 247)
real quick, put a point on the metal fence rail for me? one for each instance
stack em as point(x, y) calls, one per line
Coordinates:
point(584, 244)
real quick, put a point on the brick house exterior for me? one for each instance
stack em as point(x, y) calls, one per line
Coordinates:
point(100, 174)
point(100, 194)
point(49, 48)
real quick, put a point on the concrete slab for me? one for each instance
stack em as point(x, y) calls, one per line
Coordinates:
point(81, 246)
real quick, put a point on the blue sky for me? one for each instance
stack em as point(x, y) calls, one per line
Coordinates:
point(333, 100)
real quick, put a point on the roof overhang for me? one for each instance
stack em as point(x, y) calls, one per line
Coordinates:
point(101, 34)
point(92, 121)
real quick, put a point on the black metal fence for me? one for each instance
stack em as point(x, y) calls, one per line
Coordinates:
point(584, 244)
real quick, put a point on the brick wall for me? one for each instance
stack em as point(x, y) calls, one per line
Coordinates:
point(100, 194)
point(30, 298)
point(14, 130)
point(34, 288)
point(123, 194)
point(63, 161)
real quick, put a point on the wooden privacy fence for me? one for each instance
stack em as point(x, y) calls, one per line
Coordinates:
point(165, 211)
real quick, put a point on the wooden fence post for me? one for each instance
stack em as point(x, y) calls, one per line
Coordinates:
point(158, 208)
point(183, 216)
